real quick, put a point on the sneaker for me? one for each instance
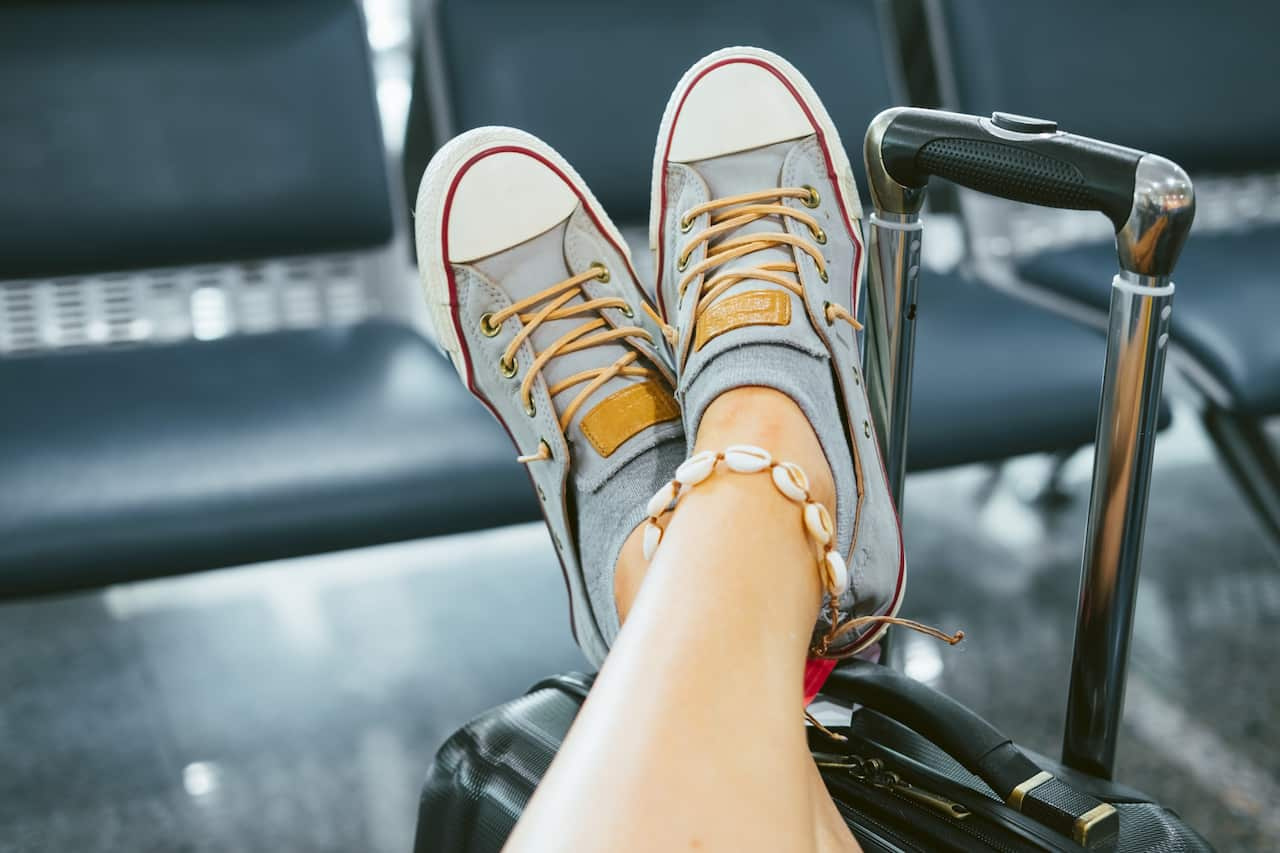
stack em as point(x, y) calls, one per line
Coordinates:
point(533, 296)
point(755, 228)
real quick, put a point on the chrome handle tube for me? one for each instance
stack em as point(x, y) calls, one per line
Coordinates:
point(1148, 245)
point(894, 255)
point(1151, 202)
point(892, 283)
point(1137, 341)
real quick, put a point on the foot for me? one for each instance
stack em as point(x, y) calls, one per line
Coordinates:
point(533, 296)
point(758, 252)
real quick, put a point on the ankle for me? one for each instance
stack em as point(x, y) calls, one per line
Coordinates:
point(772, 421)
point(748, 415)
point(630, 570)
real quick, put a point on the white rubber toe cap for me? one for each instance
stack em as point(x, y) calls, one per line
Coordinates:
point(504, 199)
point(735, 106)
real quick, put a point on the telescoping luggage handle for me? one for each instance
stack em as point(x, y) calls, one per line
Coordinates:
point(1151, 203)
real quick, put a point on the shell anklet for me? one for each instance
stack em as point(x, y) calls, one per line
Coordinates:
point(791, 480)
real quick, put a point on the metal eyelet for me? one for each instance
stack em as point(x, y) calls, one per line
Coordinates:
point(603, 275)
point(820, 236)
point(487, 327)
point(686, 225)
point(543, 446)
point(824, 275)
point(813, 200)
point(530, 409)
point(627, 311)
point(826, 313)
point(507, 368)
point(682, 262)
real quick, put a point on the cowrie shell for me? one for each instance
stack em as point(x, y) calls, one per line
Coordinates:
point(661, 500)
point(818, 522)
point(652, 536)
point(837, 573)
point(696, 468)
point(791, 481)
point(747, 458)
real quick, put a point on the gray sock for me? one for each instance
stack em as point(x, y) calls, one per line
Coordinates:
point(608, 513)
point(802, 375)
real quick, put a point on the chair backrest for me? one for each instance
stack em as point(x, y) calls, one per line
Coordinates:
point(1192, 81)
point(592, 77)
point(139, 134)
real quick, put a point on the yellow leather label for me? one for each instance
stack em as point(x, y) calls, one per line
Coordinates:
point(624, 413)
point(753, 308)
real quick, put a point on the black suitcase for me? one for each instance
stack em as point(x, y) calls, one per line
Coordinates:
point(914, 770)
point(898, 788)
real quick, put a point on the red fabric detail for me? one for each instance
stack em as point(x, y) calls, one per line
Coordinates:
point(816, 671)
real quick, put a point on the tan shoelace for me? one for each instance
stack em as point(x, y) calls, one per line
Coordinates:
point(556, 298)
point(839, 630)
point(733, 212)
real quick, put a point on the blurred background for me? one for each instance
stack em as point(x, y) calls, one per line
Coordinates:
point(260, 553)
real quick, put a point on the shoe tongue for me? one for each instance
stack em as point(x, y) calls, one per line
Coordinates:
point(744, 172)
point(531, 267)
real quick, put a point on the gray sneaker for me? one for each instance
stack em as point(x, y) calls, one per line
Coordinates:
point(755, 228)
point(533, 296)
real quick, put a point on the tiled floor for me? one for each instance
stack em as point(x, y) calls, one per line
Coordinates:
point(295, 706)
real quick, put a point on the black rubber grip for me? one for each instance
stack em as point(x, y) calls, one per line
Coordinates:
point(1008, 171)
point(1051, 169)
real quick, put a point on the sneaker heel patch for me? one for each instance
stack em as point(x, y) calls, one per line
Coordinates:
point(753, 308)
point(625, 413)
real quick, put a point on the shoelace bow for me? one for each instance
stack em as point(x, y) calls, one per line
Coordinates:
point(839, 630)
point(557, 297)
point(733, 212)
point(859, 621)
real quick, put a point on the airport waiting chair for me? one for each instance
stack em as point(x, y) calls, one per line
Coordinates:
point(196, 369)
point(994, 377)
point(1090, 66)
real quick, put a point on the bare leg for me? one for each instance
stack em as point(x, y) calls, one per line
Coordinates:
point(693, 736)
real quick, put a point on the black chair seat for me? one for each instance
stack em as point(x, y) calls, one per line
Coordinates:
point(523, 66)
point(1225, 316)
point(995, 377)
point(148, 135)
point(126, 464)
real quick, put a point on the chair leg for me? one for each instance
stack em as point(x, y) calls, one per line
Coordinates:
point(1052, 495)
point(986, 490)
point(1252, 461)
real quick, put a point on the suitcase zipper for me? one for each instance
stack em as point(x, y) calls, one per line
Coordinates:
point(873, 772)
point(948, 808)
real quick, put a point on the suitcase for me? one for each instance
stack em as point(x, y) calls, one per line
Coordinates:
point(914, 770)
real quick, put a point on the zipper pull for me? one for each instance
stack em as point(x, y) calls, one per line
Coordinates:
point(874, 772)
point(945, 807)
point(855, 765)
